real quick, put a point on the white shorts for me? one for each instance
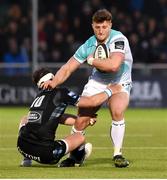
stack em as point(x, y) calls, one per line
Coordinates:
point(93, 87)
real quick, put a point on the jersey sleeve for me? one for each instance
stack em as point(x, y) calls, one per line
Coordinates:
point(73, 98)
point(81, 53)
point(69, 97)
point(118, 45)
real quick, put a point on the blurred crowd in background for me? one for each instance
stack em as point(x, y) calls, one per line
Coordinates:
point(63, 25)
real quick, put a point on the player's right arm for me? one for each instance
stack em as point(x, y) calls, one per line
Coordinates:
point(62, 74)
point(67, 69)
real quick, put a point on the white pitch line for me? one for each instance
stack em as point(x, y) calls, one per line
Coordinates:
point(87, 135)
point(135, 148)
point(103, 148)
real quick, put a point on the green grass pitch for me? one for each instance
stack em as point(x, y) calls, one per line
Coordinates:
point(145, 146)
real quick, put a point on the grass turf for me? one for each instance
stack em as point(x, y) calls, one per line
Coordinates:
point(145, 146)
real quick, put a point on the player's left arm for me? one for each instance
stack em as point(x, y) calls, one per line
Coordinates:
point(111, 64)
point(116, 56)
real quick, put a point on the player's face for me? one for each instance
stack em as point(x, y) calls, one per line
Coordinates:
point(102, 30)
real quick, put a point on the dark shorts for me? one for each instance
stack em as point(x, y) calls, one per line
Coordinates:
point(49, 154)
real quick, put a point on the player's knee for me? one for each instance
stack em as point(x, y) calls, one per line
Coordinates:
point(117, 114)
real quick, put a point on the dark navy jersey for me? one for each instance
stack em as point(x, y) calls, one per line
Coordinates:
point(44, 114)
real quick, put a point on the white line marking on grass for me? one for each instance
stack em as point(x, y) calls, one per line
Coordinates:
point(128, 135)
point(101, 148)
point(135, 148)
point(87, 135)
point(82, 179)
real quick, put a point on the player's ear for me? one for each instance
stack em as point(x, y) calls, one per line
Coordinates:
point(110, 25)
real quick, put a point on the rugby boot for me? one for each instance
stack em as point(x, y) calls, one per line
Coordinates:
point(120, 161)
point(77, 157)
point(67, 163)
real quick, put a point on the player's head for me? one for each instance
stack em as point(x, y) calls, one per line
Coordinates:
point(101, 24)
point(41, 75)
point(102, 15)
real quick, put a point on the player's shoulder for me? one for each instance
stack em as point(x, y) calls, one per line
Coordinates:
point(114, 35)
point(45, 92)
point(91, 41)
point(67, 95)
point(60, 93)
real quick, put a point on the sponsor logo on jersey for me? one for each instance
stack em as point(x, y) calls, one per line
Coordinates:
point(119, 45)
point(34, 116)
point(72, 94)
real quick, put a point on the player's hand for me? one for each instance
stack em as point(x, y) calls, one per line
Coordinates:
point(47, 85)
point(115, 88)
point(90, 59)
point(92, 121)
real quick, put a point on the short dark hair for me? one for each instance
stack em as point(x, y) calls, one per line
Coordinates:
point(39, 73)
point(101, 15)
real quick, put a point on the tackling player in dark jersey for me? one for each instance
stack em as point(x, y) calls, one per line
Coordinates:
point(36, 140)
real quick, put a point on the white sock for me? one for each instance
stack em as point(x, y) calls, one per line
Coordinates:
point(73, 131)
point(117, 135)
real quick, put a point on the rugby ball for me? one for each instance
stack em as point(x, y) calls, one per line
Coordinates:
point(101, 52)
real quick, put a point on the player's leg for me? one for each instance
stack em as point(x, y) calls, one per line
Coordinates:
point(67, 119)
point(66, 145)
point(83, 120)
point(78, 155)
point(72, 143)
point(82, 152)
point(26, 162)
point(118, 103)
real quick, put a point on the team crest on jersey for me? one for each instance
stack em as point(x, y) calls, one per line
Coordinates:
point(119, 45)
